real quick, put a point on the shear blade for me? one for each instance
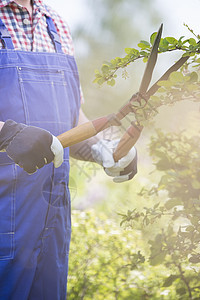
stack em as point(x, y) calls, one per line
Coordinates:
point(150, 63)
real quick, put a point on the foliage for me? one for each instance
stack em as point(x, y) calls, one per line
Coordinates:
point(177, 88)
point(180, 85)
point(109, 27)
point(176, 244)
point(105, 262)
point(158, 255)
point(190, 47)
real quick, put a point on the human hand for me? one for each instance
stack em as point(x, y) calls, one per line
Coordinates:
point(30, 147)
point(123, 170)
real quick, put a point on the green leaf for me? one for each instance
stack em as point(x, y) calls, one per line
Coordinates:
point(180, 39)
point(135, 52)
point(192, 42)
point(143, 102)
point(165, 178)
point(136, 104)
point(152, 37)
point(105, 69)
point(193, 76)
point(181, 291)
point(176, 77)
point(158, 259)
point(156, 205)
point(96, 71)
point(165, 83)
point(186, 54)
point(143, 53)
point(128, 50)
point(155, 101)
point(192, 54)
point(161, 90)
point(111, 82)
point(145, 59)
point(169, 280)
point(101, 81)
point(147, 222)
point(144, 45)
point(95, 80)
point(171, 40)
point(122, 222)
point(164, 44)
point(172, 203)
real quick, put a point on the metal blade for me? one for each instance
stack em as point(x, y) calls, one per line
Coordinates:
point(165, 76)
point(150, 63)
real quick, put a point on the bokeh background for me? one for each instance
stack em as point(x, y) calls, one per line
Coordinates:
point(101, 30)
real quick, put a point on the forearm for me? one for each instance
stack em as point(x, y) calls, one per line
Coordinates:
point(82, 150)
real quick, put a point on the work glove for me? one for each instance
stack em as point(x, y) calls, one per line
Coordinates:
point(123, 170)
point(30, 147)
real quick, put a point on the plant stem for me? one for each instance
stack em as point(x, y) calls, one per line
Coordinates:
point(184, 280)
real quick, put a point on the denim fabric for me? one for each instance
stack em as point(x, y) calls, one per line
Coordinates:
point(39, 89)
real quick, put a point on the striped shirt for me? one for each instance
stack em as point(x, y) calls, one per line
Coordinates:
point(30, 33)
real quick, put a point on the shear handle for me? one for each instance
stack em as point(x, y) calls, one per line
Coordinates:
point(132, 134)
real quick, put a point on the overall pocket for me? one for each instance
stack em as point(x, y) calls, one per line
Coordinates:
point(7, 208)
point(46, 103)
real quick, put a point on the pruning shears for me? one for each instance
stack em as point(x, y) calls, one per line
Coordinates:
point(130, 137)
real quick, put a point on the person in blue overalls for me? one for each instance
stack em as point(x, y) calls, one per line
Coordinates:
point(39, 99)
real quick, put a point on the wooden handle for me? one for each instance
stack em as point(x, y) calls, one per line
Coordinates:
point(127, 141)
point(77, 134)
point(87, 130)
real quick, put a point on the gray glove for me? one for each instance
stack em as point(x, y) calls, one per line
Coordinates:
point(30, 147)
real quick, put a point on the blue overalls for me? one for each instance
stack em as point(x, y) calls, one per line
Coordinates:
point(39, 89)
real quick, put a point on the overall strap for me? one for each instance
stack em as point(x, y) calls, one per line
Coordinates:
point(54, 35)
point(5, 36)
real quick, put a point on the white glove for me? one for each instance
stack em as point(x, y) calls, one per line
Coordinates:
point(57, 149)
point(124, 169)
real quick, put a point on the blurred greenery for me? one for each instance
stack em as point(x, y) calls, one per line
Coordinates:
point(155, 252)
point(111, 27)
point(106, 263)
